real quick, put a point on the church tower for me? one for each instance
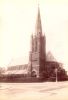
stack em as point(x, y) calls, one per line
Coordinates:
point(37, 56)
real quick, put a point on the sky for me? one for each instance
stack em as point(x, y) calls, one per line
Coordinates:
point(17, 23)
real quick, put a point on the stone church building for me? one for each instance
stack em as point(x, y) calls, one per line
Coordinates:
point(38, 62)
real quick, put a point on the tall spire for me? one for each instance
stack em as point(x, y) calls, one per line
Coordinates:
point(38, 28)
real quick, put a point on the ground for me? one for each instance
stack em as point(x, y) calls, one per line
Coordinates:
point(34, 91)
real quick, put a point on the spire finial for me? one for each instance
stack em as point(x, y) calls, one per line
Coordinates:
point(38, 3)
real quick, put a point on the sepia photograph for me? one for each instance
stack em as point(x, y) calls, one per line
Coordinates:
point(33, 49)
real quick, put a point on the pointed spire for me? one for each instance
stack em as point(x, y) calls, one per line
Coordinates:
point(38, 28)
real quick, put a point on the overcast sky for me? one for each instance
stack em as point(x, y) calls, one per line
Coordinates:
point(17, 23)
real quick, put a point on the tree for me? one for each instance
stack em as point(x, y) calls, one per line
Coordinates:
point(2, 70)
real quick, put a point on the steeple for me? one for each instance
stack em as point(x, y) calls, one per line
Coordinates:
point(38, 28)
point(37, 54)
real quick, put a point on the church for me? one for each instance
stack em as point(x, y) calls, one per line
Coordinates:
point(38, 65)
